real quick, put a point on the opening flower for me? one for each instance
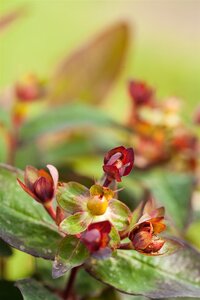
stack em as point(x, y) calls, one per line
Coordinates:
point(118, 162)
point(144, 234)
point(39, 184)
point(85, 206)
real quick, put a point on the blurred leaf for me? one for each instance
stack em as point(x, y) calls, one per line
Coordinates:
point(5, 249)
point(176, 275)
point(86, 285)
point(71, 253)
point(24, 224)
point(8, 291)
point(67, 117)
point(19, 265)
point(33, 290)
point(44, 274)
point(174, 191)
point(192, 234)
point(91, 70)
point(8, 19)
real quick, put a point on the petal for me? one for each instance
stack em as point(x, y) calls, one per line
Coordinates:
point(112, 152)
point(30, 176)
point(71, 253)
point(103, 227)
point(114, 238)
point(129, 159)
point(76, 224)
point(54, 174)
point(112, 172)
point(72, 197)
point(170, 246)
point(118, 214)
point(141, 240)
point(149, 206)
point(26, 189)
point(136, 216)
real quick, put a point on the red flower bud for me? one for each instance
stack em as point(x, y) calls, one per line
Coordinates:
point(29, 89)
point(96, 237)
point(118, 162)
point(140, 93)
point(39, 184)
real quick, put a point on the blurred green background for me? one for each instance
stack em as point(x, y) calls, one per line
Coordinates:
point(164, 49)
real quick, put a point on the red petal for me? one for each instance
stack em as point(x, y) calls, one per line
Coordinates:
point(112, 172)
point(109, 154)
point(30, 176)
point(28, 191)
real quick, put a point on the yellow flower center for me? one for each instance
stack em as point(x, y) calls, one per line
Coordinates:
point(99, 198)
point(97, 205)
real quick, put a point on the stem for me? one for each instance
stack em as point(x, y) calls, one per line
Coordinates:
point(49, 208)
point(126, 246)
point(107, 182)
point(70, 284)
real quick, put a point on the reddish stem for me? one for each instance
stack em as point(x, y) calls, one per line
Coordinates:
point(107, 182)
point(49, 208)
point(67, 293)
point(126, 246)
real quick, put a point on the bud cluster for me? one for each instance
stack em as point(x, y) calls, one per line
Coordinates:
point(94, 215)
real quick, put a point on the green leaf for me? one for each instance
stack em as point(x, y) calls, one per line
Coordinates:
point(24, 224)
point(76, 223)
point(72, 197)
point(118, 214)
point(90, 71)
point(33, 290)
point(71, 253)
point(176, 275)
point(67, 117)
point(173, 190)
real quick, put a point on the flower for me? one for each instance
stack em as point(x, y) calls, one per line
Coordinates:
point(118, 162)
point(140, 93)
point(86, 206)
point(144, 234)
point(96, 238)
point(39, 184)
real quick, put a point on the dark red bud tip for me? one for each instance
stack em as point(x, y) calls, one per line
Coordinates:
point(140, 93)
point(118, 162)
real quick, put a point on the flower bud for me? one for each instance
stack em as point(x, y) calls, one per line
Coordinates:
point(39, 184)
point(118, 162)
